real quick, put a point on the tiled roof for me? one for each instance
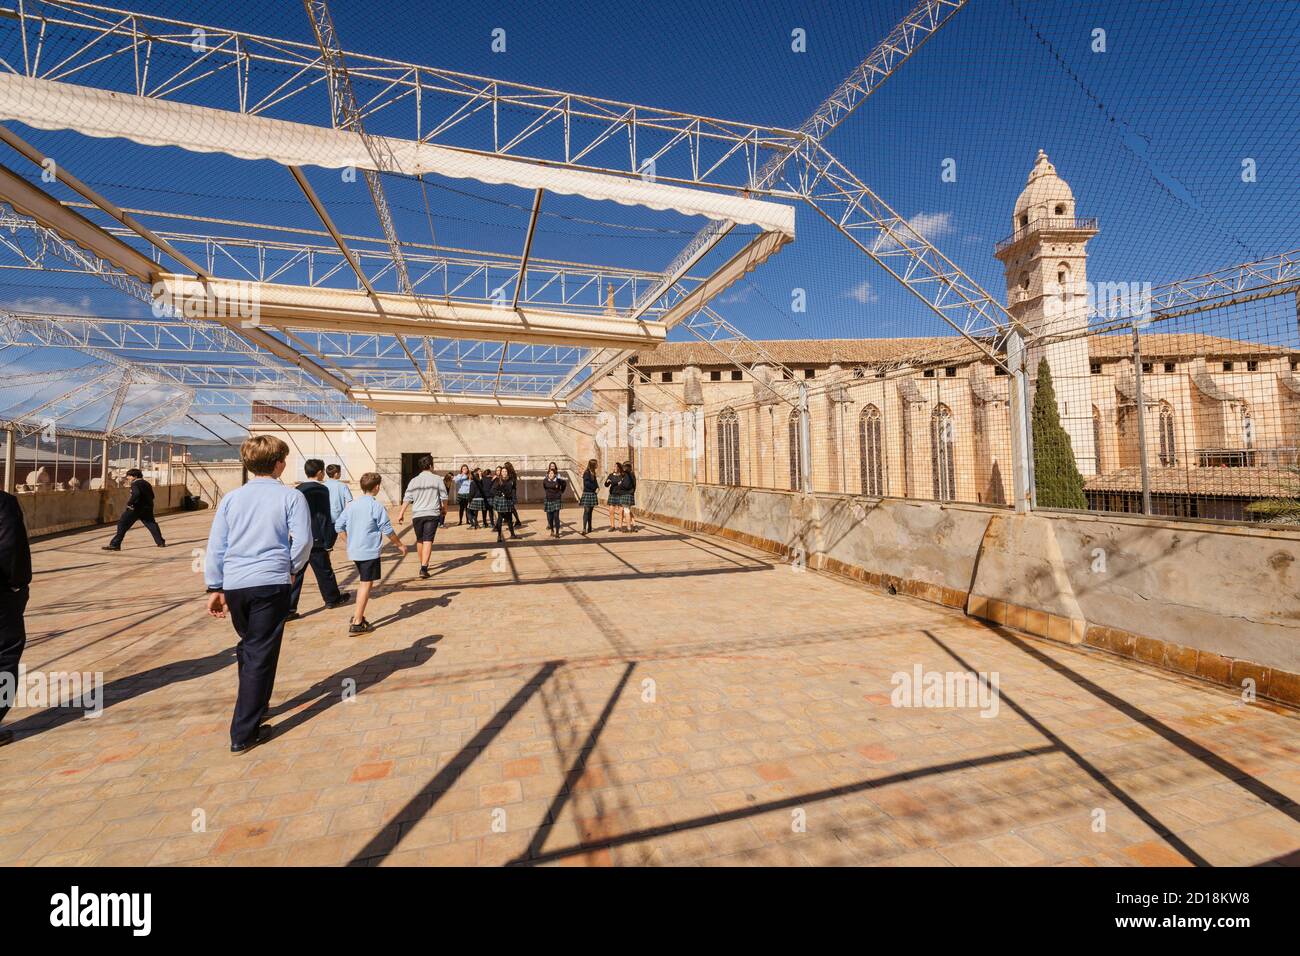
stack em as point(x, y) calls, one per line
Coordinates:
point(1237, 482)
point(1178, 345)
point(932, 349)
point(846, 352)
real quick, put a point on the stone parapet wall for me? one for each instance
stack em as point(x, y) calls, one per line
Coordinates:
point(1217, 602)
point(49, 512)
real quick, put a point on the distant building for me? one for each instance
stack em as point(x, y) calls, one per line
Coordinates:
point(1221, 416)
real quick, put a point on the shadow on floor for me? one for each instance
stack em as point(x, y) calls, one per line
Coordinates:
point(354, 679)
point(128, 688)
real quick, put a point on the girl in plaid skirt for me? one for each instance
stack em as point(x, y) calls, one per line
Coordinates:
point(504, 499)
point(464, 482)
point(627, 496)
point(553, 488)
point(613, 481)
point(589, 499)
point(477, 500)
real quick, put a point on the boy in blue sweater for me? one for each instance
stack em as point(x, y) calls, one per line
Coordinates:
point(365, 522)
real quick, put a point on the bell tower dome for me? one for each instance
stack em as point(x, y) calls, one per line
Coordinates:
point(1045, 261)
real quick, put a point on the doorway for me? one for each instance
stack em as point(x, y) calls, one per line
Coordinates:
point(409, 469)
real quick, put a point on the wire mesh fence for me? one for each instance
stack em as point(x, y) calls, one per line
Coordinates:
point(1194, 414)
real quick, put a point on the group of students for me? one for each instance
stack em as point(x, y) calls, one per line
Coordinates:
point(491, 496)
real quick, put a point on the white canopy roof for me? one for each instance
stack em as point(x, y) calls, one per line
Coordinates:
point(52, 105)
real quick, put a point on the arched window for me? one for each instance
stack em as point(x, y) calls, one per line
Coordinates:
point(795, 469)
point(1168, 450)
point(943, 468)
point(728, 447)
point(1096, 440)
point(871, 451)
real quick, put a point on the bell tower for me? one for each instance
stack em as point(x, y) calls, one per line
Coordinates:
point(1045, 260)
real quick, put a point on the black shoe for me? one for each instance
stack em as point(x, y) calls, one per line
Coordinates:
point(365, 627)
point(424, 574)
point(263, 735)
point(291, 616)
point(345, 598)
point(162, 544)
point(111, 547)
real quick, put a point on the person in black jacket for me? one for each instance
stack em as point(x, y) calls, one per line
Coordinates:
point(553, 488)
point(489, 486)
point(614, 482)
point(589, 499)
point(323, 537)
point(503, 499)
point(15, 579)
point(138, 508)
point(476, 500)
point(627, 490)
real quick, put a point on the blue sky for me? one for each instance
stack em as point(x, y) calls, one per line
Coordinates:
point(1151, 133)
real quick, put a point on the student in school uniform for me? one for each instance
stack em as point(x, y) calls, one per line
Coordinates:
point(15, 581)
point(323, 538)
point(261, 538)
point(340, 493)
point(427, 494)
point(503, 500)
point(627, 487)
point(489, 486)
point(589, 499)
point(366, 524)
point(477, 501)
point(614, 482)
point(553, 488)
point(139, 507)
point(464, 483)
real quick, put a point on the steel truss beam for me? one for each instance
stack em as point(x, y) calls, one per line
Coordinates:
point(462, 274)
point(345, 113)
point(248, 73)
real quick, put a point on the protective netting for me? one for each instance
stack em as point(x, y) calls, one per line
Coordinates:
point(1074, 162)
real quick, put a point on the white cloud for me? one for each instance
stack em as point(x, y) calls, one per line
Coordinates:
point(863, 293)
point(737, 294)
point(929, 225)
point(49, 305)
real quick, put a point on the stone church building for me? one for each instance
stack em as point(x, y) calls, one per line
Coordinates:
point(1221, 416)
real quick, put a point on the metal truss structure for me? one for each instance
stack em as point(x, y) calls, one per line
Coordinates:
point(169, 59)
point(111, 380)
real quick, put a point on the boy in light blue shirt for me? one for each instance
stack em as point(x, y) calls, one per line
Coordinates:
point(260, 539)
point(340, 493)
point(365, 522)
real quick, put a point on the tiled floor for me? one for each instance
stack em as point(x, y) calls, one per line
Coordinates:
point(652, 698)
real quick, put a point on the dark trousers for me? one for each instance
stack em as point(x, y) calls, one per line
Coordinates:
point(553, 520)
point(586, 517)
point(13, 638)
point(129, 517)
point(258, 615)
point(325, 580)
point(511, 519)
point(463, 505)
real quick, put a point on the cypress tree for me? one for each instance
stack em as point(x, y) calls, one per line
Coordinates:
point(1056, 476)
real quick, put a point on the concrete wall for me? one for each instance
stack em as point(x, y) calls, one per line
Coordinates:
point(1219, 602)
point(481, 439)
point(212, 479)
point(48, 512)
